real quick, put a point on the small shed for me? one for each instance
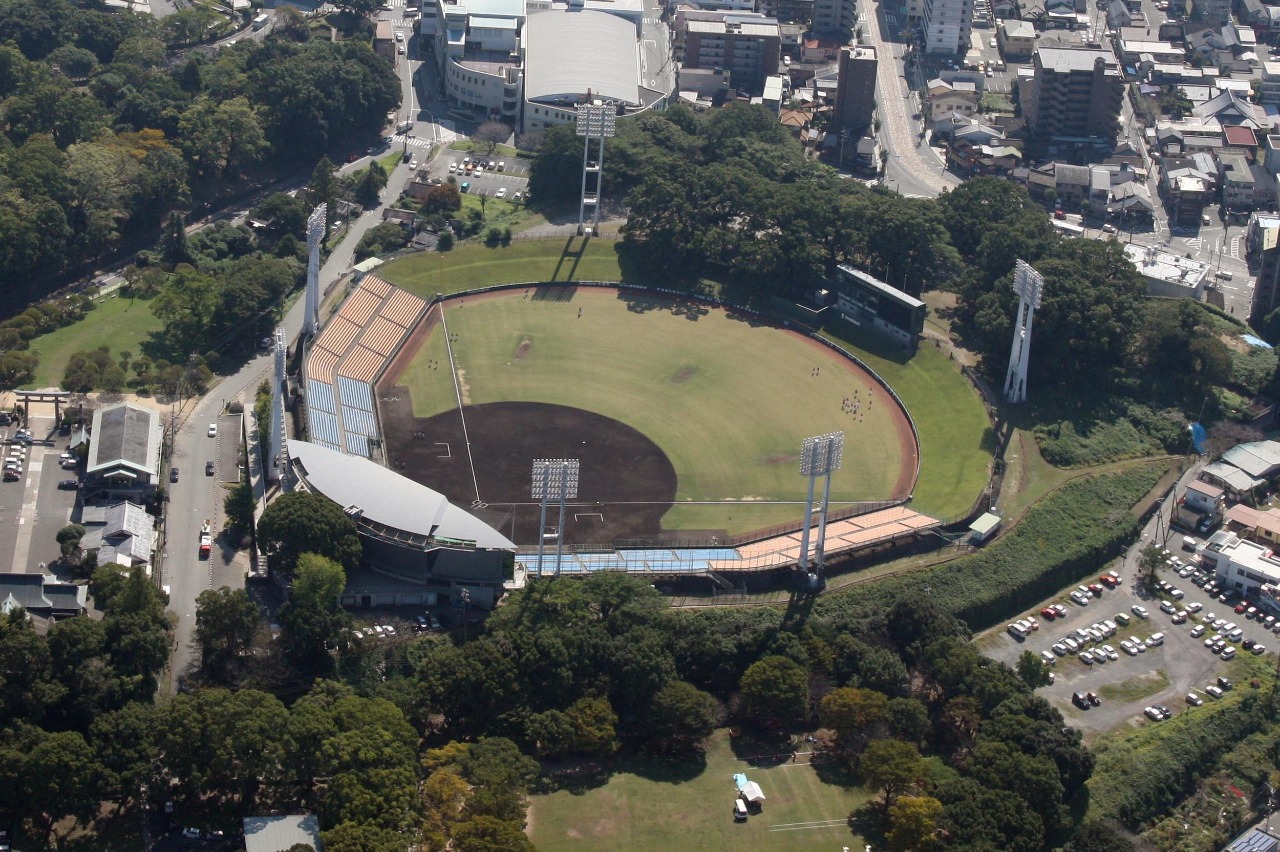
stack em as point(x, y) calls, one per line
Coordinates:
point(981, 530)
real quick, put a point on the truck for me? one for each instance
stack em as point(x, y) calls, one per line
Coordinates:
point(206, 539)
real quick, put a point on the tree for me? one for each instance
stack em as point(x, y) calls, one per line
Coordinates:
point(226, 620)
point(775, 689)
point(311, 620)
point(173, 246)
point(323, 189)
point(908, 720)
point(1032, 670)
point(361, 837)
point(1150, 559)
point(913, 824)
point(368, 188)
point(239, 505)
point(301, 522)
point(486, 834)
point(501, 775)
point(62, 777)
point(680, 718)
point(69, 539)
point(491, 134)
point(892, 767)
point(856, 715)
point(222, 138)
point(1098, 836)
point(594, 724)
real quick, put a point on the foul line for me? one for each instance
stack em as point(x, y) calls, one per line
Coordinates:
point(457, 389)
point(804, 826)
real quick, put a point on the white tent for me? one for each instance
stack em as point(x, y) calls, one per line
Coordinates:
point(752, 793)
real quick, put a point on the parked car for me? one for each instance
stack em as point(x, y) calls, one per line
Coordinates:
point(210, 468)
point(1258, 648)
point(1123, 619)
point(1049, 613)
point(1140, 611)
point(213, 430)
point(1166, 606)
point(173, 474)
point(1153, 713)
point(1080, 599)
point(69, 484)
point(1086, 658)
point(1194, 700)
point(1197, 631)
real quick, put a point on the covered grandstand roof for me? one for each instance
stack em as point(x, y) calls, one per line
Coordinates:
point(572, 53)
point(388, 499)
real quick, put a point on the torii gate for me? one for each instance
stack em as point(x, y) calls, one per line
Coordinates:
point(56, 397)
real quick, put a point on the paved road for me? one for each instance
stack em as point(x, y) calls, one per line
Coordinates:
point(195, 496)
point(912, 169)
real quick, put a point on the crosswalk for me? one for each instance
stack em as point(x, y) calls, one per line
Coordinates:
point(1194, 242)
point(1233, 248)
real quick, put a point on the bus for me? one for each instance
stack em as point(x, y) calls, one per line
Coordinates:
point(260, 21)
point(1067, 228)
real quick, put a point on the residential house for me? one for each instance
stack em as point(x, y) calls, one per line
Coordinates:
point(384, 43)
point(1016, 39)
point(400, 217)
point(1071, 183)
point(1238, 485)
point(122, 534)
point(42, 595)
point(819, 50)
point(1255, 525)
point(1203, 498)
point(1259, 459)
point(1236, 180)
point(1131, 200)
point(1187, 187)
point(1066, 14)
point(951, 98)
point(1270, 83)
point(1241, 138)
point(974, 132)
point(1120, 15)
point(974, 160)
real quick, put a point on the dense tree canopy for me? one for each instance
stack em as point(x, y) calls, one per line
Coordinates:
point(302, 522)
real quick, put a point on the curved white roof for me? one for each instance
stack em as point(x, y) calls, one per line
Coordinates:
point(387, 498)
point(571, 53)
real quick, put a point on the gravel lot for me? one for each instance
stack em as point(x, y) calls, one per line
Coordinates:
point(1182, 659)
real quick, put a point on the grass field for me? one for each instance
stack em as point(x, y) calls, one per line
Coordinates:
point(474, 265)
point(727, 401)
point(633, 811)
point(119, 323)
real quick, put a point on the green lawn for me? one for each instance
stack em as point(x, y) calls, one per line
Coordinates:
point(727, 401)
point(633, 811)
point(474, 265)
point(119, 323)
point(956, 440)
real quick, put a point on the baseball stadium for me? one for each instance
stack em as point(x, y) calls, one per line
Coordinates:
point(684, 421)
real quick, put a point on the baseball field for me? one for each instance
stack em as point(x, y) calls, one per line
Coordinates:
point(685, 416)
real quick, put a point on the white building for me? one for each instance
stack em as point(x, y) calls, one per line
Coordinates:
point(947, 25)
point(479, 53)
point(1242, 566)
point(1168, 275)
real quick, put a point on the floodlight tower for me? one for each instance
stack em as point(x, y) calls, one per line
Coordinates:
point(315, 234)
point(273, 459)
point(553, 479)
point(596, 122)
point(821, 455)
point(1028, 283)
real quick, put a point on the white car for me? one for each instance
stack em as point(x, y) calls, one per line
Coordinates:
point(1140, 611)
point(1194, 607)
point(213, 430)
point(501, 193)
point(1214, 691)
point(479, 171)
point(1197, 631)
point(1111, 652)
point(1086, 658)
point(453, 168)
point(1048, 658)
point(1166, 606)
point(1139, 644)
point(1259, 649)
point(1072, 644)
point(1127, 647)
point(1060, 649)
point(1080, 599)
point(1195, 700)
point(1153, 714)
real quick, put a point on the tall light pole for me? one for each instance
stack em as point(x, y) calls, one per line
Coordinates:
point(1028, 283)
point(315, 234)
point(595, 123)
point(553, 479)
point(821, 455)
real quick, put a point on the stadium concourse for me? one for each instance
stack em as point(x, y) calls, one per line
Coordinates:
point(781, 551)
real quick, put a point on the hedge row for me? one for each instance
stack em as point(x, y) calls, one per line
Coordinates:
point(1143, 775)
point(1066, 537)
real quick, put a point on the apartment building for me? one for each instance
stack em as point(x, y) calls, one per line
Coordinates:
point(947, 25)
point(835, 18)
point(856, 88)
point(746, 45)
point(1073, 92)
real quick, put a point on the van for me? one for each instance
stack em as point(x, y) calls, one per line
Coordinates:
point(1156, 639)
point(739, 810)
point(1188, 543)
point(260, 21)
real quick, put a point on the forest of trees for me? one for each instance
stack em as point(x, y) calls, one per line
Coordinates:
point(434, 740)
point(102, 134)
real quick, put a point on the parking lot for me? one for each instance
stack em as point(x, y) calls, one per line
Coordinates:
point(1159, 675)
point(513, 177)
point(33, 507)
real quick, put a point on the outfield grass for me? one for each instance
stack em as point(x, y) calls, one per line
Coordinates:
point(632, 811)
point(474, 265)
point(120, 323)
point(956, 440)
point(729, 402)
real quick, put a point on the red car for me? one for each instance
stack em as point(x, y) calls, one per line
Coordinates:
point(1108, 581)
point(1096, 589)
point(1240, 608)
point(1049, 614)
